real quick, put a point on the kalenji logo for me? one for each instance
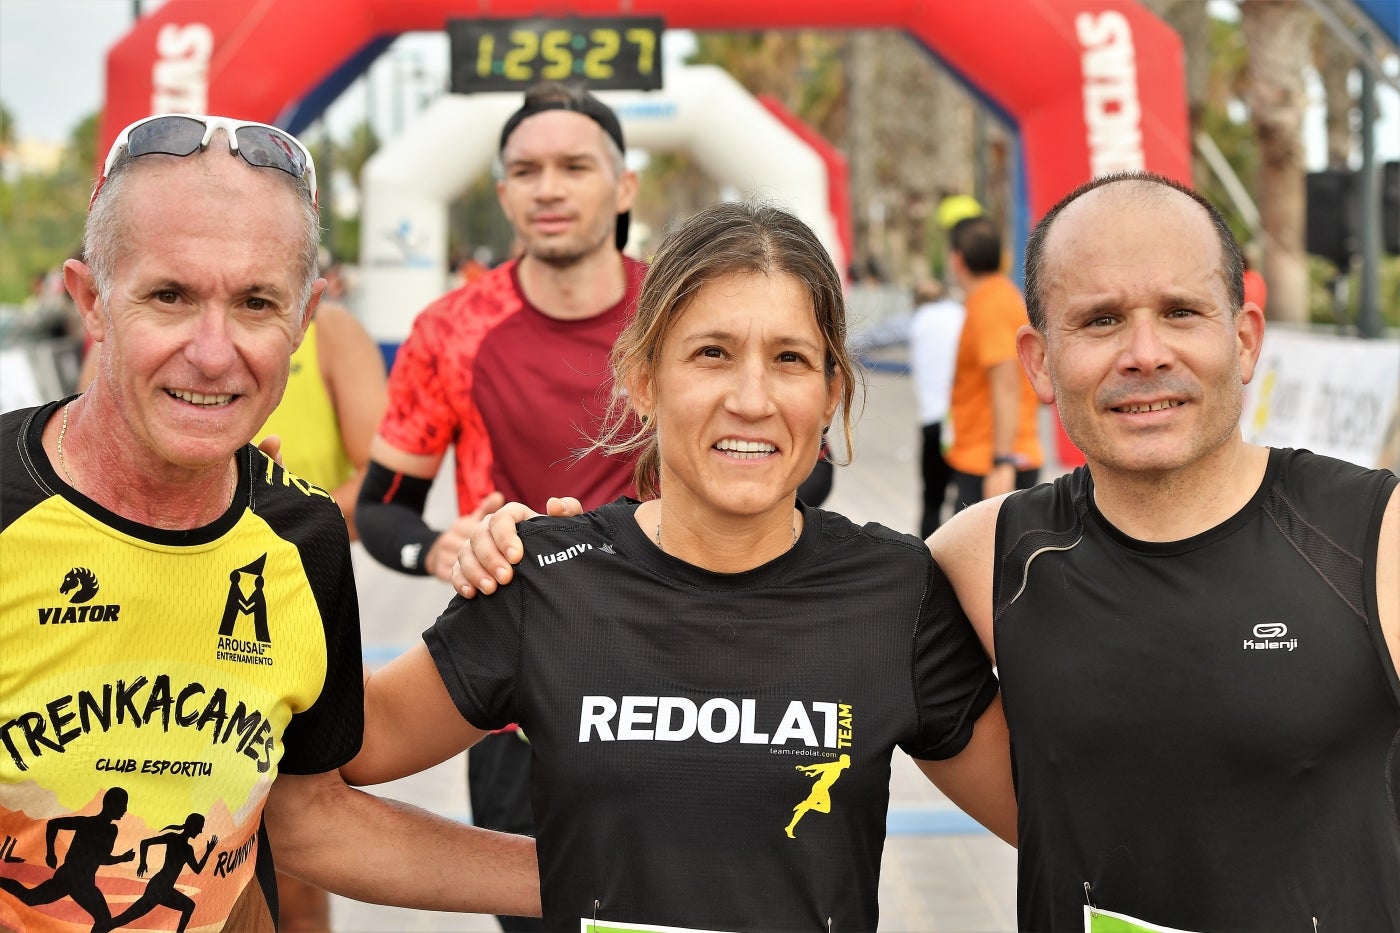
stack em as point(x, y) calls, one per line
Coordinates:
point(180, 76)
point(1269, 636)
point(1112, 111)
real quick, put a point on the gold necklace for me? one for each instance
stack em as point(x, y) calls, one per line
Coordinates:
point(63, 463)
point(62, 430)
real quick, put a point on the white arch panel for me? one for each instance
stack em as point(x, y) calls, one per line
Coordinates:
point(410, 181)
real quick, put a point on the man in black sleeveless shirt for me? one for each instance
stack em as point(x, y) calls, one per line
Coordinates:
point(1197, 637)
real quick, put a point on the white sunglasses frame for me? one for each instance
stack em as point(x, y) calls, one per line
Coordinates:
point(229, 125)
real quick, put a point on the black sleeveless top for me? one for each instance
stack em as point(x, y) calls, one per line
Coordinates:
point(1205, 731)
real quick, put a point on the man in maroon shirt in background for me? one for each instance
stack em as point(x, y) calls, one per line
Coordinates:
point(510, 371)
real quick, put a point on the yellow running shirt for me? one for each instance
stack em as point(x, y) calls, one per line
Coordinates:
point(153, 684)
point(305, 419)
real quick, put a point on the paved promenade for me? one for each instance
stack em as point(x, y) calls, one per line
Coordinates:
point(942, 873)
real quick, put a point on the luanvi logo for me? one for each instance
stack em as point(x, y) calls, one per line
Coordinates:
point(573, 551)
point(1270, 636)
point(245, 600)
point(80, 586)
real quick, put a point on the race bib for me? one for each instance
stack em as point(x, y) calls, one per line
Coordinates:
point(613, 926)
point(1107, 921)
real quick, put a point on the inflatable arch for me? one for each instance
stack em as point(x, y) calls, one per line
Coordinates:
point(1091, 86)
point(1068, 75)
point(408, 183)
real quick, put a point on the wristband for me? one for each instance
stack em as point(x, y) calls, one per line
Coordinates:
point(1003, 460)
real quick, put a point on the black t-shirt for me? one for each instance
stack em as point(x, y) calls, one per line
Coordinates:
point(683, 722)
point(1204, 730)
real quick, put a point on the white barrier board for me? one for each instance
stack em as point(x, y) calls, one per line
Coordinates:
point(1338, 396)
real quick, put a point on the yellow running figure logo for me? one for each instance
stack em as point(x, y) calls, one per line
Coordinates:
point(820, 797)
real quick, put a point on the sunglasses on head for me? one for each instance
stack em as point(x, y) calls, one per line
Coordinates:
point(183, 134)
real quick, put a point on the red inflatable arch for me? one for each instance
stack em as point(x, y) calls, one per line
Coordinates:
point(1093, 86)
point(1068, 73)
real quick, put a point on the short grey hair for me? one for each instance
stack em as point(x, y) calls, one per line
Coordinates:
point(104, 245)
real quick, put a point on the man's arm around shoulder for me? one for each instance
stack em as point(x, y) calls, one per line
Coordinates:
point(964, 548)
point(977, 779)
point(387, 852)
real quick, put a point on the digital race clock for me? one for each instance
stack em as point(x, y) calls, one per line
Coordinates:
point(507, 55)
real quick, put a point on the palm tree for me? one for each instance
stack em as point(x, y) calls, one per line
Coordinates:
point(1279, 36)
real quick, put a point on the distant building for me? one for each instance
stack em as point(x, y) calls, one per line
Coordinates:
point(30, 157)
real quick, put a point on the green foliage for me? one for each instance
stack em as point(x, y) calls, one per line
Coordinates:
point(348, 156)
point(341, 235)
point(335, 161)
point(81, 154)
point(1390, 291)
point(7, 126)
point(821, 102)
point(41, 215)
point(475, 220)
point(1322, 305)
point(352, 154)
point(1224, 119)
point(805, 71)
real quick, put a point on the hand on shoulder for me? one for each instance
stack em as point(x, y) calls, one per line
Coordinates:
point(485, 558)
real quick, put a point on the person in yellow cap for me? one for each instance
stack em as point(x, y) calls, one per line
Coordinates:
point(956, 207)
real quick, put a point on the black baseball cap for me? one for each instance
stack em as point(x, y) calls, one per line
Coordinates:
point(553, 96)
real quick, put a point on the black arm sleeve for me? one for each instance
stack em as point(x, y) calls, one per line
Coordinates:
point(389, 518)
